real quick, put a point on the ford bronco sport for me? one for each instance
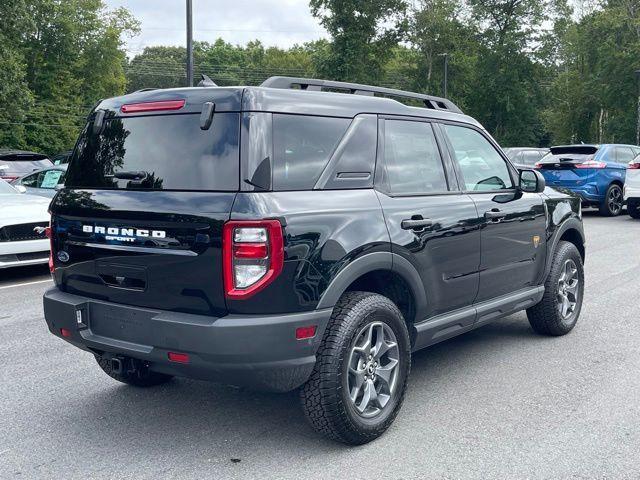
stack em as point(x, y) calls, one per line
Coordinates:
point(304, 234)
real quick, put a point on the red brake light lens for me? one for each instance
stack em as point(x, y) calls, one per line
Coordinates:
point(152, 106)
point(253, 256)
point(178, 357)
point(634, 164)
point(591, 164)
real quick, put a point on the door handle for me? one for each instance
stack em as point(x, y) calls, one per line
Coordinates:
point(494, 214)
point(416, 224)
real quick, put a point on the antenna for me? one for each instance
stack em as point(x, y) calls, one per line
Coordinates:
point(206, 81)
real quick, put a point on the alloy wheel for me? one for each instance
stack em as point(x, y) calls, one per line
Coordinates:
point(373, 369)
point(614, 200)
point(568, 289)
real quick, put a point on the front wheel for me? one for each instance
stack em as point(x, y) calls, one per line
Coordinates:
point(613, 201)
point(633, 207)
point(559, 309)
point(358, 383)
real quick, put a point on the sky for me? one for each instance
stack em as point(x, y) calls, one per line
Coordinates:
point(281, 23)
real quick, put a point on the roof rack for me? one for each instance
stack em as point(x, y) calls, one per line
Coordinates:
point(312, 84)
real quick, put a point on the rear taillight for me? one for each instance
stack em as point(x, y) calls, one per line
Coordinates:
point(49, 234)
point(537, 165)
point(253, 256)
point(634, 165)
point(591, 164)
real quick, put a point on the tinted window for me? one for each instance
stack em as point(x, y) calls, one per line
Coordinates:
point(22, 167)
point(530, 158)
point(171, 150)
point(482, 166)
point(302, 146)
point(412, 158)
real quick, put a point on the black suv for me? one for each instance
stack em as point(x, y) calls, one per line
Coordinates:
point(301, 234)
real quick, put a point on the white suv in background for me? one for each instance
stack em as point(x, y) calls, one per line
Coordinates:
point(632, 187)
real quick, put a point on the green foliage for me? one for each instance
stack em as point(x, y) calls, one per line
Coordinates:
point(227, 64)
point(58, 58)
point(364, 34)
point(593, 97)
point(525, 68)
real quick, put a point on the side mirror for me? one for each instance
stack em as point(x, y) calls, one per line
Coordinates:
point(21, 188)
point(532, 181)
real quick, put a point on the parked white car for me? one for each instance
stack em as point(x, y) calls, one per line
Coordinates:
point(632, 187)
point(23, 219)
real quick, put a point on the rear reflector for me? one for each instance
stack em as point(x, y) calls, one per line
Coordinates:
point(152, 106)
point(66, 333)
point(178, 357)
point(303, 333)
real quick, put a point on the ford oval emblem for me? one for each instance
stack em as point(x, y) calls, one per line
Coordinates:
point(63, 256)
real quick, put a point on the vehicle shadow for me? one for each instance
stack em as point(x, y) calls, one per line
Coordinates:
point(190, 418)
point(24, 274)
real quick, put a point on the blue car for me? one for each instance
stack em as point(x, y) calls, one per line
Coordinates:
point(595, 172)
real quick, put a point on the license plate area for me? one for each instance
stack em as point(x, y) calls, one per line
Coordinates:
point(121, 323)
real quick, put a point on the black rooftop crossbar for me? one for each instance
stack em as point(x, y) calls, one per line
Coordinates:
point(311, 84)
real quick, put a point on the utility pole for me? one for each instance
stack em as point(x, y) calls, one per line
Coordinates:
point(638, 113)
point(446, 72)
point(189, 43)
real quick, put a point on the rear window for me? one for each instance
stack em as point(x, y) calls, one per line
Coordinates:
point(169, 152)
point(21, 167)
point(574, 150)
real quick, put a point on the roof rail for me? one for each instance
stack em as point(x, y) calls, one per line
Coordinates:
point(312, 84)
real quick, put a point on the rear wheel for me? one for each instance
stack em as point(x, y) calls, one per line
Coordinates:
point(132, 372)
point(633, 207)
point(358, 384)
point(613, 201)
point(559, 309)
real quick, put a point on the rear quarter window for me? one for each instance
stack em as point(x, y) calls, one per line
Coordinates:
point(172, 150)
point(302, 146)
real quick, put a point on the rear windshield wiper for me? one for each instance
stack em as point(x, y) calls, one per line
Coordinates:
point(134, 175)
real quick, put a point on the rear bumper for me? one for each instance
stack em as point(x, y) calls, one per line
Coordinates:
point(255, 351)
point(631, 192)
point(28, 252)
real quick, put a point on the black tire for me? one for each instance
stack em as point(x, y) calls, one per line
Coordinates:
point(633, 207)
point(138, 377)
point(325, 396)
point(546, 317)
point(613, 201)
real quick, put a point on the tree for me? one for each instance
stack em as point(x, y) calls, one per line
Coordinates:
point(15, 97)
point(65, 55)
point(364, 35)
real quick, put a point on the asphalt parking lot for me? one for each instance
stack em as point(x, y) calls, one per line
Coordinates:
point(500, 402)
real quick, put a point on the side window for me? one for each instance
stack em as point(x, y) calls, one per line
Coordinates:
point(302, 146)
point(50, 178)
point(30, 180)
point(482, 167)
point(412, 158)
